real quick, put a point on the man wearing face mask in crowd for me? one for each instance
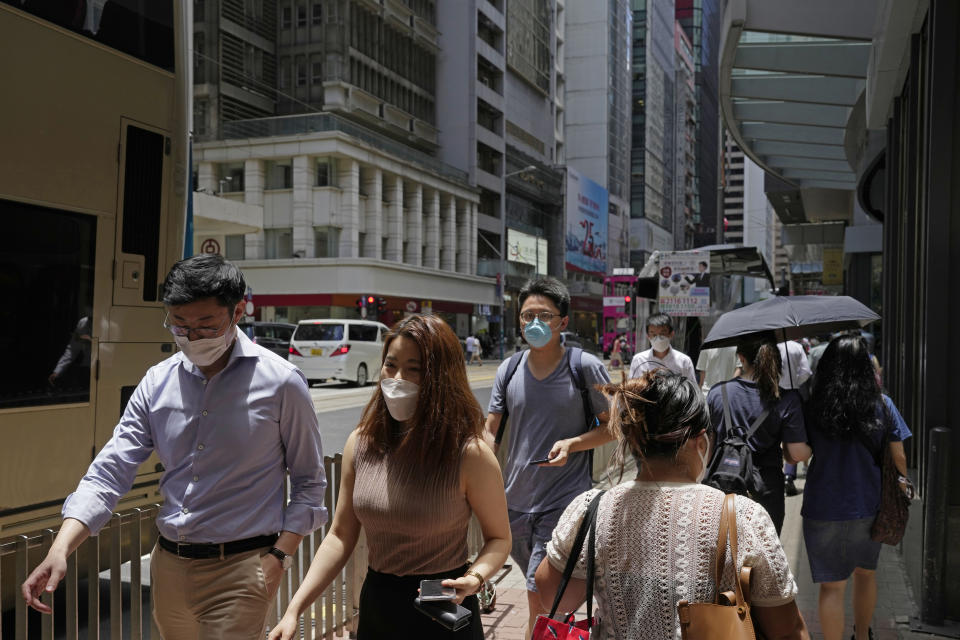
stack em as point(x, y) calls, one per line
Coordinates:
point(227, 418)
point(547, 422)
point(661, 355)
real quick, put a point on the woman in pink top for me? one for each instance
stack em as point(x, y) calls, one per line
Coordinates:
point(414, 471)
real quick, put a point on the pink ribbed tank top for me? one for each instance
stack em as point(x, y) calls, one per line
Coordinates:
point(410, 529)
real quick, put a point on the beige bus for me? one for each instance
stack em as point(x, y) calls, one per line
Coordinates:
point(94, 150)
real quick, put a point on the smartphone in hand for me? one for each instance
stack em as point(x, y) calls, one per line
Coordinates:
point(431, 590)
point(540, 461)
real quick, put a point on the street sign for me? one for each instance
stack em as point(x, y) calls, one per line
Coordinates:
point(613, 301)
point(623, 271)
point(411, 306)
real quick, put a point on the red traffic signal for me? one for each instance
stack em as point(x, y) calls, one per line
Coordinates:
point(370, 299)
point(626, 299)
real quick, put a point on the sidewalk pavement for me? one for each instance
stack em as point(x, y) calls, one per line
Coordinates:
point(895, 604)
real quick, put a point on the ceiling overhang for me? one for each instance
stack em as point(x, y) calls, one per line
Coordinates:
point(790, 75)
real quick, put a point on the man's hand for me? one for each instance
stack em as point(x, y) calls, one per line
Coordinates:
point(272, 572)
point(44, 579)
point(559, 453)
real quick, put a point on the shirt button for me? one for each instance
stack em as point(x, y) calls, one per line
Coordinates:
point(204, 382)
point(185, 510)
point(200, 447)
point(195, 478)
point(204, 412)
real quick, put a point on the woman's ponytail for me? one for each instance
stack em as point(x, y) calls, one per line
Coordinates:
point(764, 358)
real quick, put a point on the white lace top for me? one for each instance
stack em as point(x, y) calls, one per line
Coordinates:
point(656, 545)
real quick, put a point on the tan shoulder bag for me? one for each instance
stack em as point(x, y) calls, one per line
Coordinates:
point(728, 616)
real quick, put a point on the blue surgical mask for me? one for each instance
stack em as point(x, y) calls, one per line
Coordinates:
point(537, 333)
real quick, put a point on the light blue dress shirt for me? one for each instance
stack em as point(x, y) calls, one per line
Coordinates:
point(225, 444)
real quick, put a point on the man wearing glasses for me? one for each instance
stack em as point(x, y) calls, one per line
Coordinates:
point(228, 419)
point(546, 465)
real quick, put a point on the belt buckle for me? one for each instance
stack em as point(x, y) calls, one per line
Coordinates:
point(181, 544)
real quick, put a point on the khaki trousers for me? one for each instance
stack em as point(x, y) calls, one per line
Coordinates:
point(209, 599)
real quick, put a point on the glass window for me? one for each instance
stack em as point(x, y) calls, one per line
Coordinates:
point(301, 16)
point(236, 247)
point(46, 267)
point(231, 177)
point(301, 72)
point(325, 331)
point(279, 242)
point(317, 13)
point(316, 73)
point(286, 17)
point(326, 242)
point(326, 172)
point(364, 332)
point(279, 174)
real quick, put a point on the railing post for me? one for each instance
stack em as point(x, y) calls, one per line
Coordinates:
point(935, 527)
point(71, 616)
point(46, 622)
point(22, 566)
point(93, 588)
point(116, 583)
point(136, 590)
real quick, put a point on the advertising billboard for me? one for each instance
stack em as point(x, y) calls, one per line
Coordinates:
point(586, 228)
point(684, 283)
point(527, 249)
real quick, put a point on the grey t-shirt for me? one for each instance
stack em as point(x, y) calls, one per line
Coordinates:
point(542, 412)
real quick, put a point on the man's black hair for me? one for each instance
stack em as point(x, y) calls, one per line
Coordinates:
point(549, 288)
point(659, 320)
point(704, 264)
point(204, 276)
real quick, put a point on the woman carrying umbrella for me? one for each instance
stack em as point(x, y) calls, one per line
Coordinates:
point(848, 420)
point(755, 391)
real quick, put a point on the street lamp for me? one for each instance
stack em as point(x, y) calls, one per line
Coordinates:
point(228, 179)
point(526, 169)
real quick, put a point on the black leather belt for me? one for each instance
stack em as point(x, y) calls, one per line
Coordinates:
point(209, 550)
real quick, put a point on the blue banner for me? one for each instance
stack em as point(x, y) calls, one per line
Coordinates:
point(586, 228)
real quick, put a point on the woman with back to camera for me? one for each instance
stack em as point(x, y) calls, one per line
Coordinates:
point(414, 470)
point(758, 389)
point(656, 536)
point(849, 420)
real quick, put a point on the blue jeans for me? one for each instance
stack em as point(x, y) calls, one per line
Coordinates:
point(531, 532)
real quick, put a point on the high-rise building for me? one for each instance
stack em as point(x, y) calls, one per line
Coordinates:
point(685, 184)
point(652, 156)
point(337, 192)
point(731, 184)
point(701, 20)
point(597, 127)
point(234, 63)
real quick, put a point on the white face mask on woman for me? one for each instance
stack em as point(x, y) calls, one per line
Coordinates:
point(401, 397)
point(704, 460)
point(206, 351)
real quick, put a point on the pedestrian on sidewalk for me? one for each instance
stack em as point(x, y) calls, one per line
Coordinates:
point(794, 374)
point(849, 420)
point(661, 355)
point(226, 530)
point(781, 436)
point(616, 359)
point(548, 423)
point(414, 472)
point(473, 350)
point(656, 536)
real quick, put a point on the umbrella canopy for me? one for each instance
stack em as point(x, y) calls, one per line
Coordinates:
point(789, 317)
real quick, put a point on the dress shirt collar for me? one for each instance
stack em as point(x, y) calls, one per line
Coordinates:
point(243, 347)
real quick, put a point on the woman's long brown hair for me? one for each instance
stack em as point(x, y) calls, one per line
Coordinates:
point(447, 416)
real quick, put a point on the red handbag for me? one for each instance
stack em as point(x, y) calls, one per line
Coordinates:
point(546, 627)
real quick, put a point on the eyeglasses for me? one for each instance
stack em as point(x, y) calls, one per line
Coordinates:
point(545, 317)
point(201, 332)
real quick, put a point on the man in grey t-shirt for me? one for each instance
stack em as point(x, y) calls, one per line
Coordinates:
point(547, 421)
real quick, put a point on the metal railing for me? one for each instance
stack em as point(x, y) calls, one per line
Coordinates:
point(130, 535)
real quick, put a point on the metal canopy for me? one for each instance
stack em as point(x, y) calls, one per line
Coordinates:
point(790, 74)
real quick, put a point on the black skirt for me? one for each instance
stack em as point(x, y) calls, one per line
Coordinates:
point(387, 611)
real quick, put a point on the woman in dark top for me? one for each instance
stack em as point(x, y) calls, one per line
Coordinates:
point(848, 420)
point(758, 388)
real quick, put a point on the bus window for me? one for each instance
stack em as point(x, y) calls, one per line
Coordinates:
point(46, 284)
point(141, 29)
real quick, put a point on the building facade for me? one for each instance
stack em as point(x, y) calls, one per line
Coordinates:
point(686, 186)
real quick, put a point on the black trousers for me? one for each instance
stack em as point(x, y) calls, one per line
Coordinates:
point(387, 611)
point(773, 501)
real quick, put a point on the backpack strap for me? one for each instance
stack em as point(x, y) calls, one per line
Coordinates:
point(576, 372)
point(512, 366)
point(728, 421)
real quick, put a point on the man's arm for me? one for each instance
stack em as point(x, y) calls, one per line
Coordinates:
point(561, 450)
point(303, 456)
point(490, 429)
point(49, 573)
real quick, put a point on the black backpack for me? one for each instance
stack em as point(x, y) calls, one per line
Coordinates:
point(731, 468)
point(576, 372)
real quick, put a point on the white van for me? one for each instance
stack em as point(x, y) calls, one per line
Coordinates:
point(347, 350)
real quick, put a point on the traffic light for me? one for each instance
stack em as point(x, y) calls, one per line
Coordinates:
point(359, 304)
point(626, 300)
point(370, 300)
point(381, 304)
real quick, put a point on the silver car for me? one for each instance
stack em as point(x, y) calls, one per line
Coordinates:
point(347, 350)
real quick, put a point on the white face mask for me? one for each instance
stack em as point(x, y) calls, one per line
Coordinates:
point(401, 397)
point(660, 343)
point(704, 461)
point(206, 351)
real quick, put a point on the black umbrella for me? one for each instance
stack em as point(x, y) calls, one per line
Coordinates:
point(789, 318)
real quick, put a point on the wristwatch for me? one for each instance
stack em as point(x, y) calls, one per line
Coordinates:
point(286, 560)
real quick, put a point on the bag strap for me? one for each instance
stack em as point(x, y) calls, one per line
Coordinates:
point(591, 553)
point(576, 372)
point(588, 523)
point(728, 421)
point(721, 550)
point(512, 366)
